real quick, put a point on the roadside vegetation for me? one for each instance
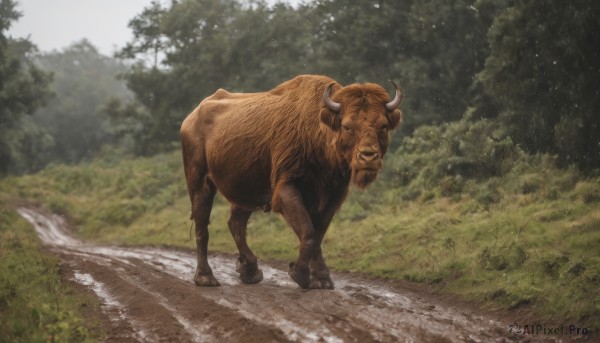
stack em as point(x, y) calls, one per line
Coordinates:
point(36, 303)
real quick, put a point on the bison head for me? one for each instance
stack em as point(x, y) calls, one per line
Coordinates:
point(361, 115)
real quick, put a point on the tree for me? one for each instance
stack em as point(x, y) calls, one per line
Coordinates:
point(148, 40)
point(83, 81)
point(152, 119)
point(543, 77)
point(271, 45)
point(434, 49)
point(449, 47)
point(23, 89)
point(362, 41)
point(207, 44)
point(194, 47)
point(531, 64)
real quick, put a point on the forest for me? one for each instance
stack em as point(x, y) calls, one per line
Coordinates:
point(526, 70)
point(489, 191)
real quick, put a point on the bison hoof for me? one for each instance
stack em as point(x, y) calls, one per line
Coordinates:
point(320, 279)
point(249, 273)
point(205, 280)
point(316, 283)
point(252, 278)
point(300, 275)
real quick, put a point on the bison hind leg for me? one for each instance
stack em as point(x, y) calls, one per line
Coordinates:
point(202, 193)
point(247, 263)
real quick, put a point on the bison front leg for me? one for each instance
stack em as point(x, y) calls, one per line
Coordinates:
point(292, 207)
point(319, 272)
point(319, 278)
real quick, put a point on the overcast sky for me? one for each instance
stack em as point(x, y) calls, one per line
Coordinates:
point(55, 24)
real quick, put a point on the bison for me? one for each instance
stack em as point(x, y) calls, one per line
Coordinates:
point(294, 150)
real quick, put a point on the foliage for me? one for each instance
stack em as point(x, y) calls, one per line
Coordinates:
point(66, 127)
point(147, 34)
point(129, 125)
point(211, 44)
point(23, 89)
point(543, 74)
point(205, 44)
point(530, 66)
point(449, 155)
point(36, 305)
point(185, 50)
point(83, 81)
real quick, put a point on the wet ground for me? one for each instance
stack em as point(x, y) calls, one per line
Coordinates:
point(148, 295)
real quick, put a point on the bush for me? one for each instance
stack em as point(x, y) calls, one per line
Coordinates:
point(447, 156)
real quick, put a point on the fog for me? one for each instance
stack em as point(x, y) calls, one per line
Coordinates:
point(54, 25)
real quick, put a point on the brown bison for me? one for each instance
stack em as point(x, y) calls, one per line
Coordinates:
point(295, 150)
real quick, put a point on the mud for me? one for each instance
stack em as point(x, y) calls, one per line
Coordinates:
point(148, 295)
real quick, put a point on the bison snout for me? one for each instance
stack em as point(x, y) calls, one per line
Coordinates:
point(368, 155)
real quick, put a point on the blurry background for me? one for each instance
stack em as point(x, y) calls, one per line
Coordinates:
point(80, 76)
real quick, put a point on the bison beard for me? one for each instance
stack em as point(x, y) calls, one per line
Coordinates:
point(295, 150)
point(363, 177)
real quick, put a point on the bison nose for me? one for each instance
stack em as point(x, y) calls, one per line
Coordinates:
point(367, 154)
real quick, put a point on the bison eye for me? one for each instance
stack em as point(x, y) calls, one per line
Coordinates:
point(384, 127)
point(346, 128)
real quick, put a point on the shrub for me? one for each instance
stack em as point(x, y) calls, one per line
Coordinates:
point(447, 156)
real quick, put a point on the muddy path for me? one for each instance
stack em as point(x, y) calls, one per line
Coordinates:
point(147, 295)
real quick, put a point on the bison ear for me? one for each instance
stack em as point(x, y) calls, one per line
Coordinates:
point(331, 118)
point(394, 118)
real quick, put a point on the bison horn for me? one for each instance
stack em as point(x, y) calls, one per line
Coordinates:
point(332, 105)
point(392, 105)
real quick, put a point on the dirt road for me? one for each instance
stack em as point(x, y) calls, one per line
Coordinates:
point(147, 295)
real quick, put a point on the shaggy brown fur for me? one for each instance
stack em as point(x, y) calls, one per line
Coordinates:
point(283, 150)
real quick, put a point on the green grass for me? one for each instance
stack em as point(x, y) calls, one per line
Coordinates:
point(526, 238)
point(36, 304)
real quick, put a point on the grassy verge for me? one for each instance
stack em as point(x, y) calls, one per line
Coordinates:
point(36, 305)
point(528, 239)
